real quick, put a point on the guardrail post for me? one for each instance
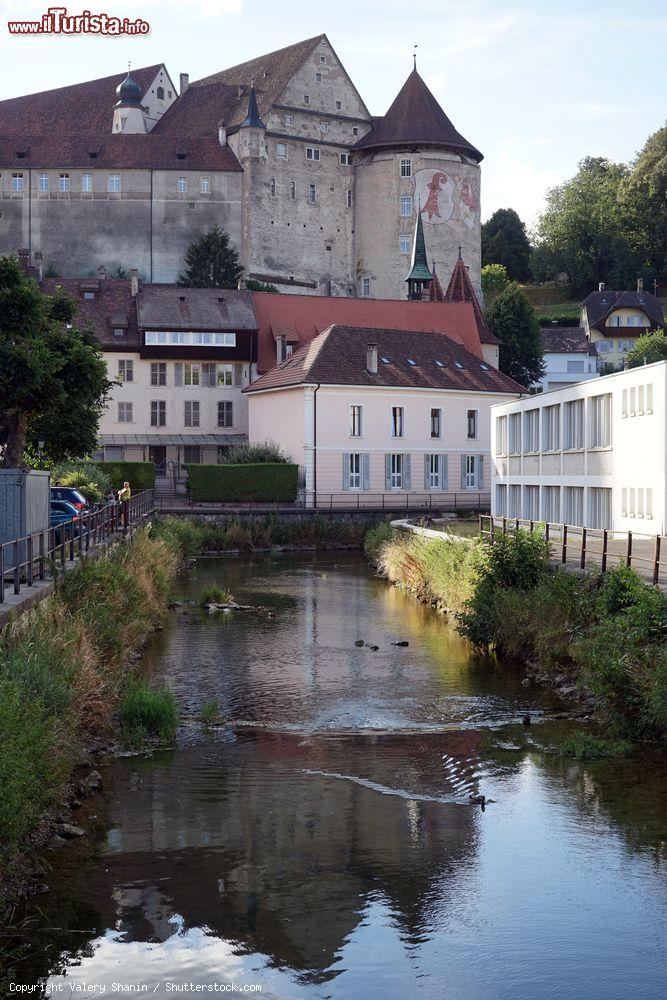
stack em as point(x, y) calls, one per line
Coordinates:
point(41, 555)
point(605, 542)
point(628, 558)
point(2, 574)
point(30, 560)
point(531, 527)
point(564, 552)
point(656, 561)
point(17, 567)
point(582, 562)
point(516, 526)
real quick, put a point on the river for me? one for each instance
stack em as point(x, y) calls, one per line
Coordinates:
point(319, 842)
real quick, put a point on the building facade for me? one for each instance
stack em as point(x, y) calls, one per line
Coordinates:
point(569, 357)
point(613, 321)
point(590, 455)
point(281, 152)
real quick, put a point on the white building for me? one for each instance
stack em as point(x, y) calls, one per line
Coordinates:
point(592, 454)
point(569, 357)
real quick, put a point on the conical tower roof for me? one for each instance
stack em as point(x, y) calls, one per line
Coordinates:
point(420, 270)
point(416, 119)
point(252, 119)
point(460, 289)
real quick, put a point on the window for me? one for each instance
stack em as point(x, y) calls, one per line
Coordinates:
point(324, 127)
point(531, 503)
point(436, 422)
point(531, 431)
point(514, 502)
point(292, 191)
point(118, 331)
point(43, 182)
point(225, 413)
point(349, 198)
point(355, 420)
point(551, 428)
point(272, 187)
point(306, 99)
point(575, 366)
point(158, 413)
point(225, 374)
point(574, 505)
point(191, 454)
point(195, 337)
point(406, 168)
point(158, 373)
point(346, 159)
point(86, 183)
point(205, 185)
point(604, 346)
point(182, 185)
point(318, 77)
point(312, 153)
point(574, 425)
point(514, 434)
point(18, 182)
point(435, 468)
point(338, 105)
point(600, 421)
point(354, 473)
point(471, 420)
point(406, 205)
point(126, 370)
point(312, 194)
point(395, 472)
point(289, 119)
point(89, 295)
point(404, 244)
point(63, 183)
point(113, 183)
point(160, 93)
point(191, 413)
point(501, 435)
point(551, 504)
point(191, 373)
point(615, 320)
point(281, 150)
point(501, 500)
point(397, 422)
point(125, 413)
point(365, 287)
point(599, 507)
point(323, 59)
point(471, 472)
point(355, 130)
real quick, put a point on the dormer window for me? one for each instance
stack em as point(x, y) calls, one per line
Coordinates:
point(89, 296)
point(117, 330)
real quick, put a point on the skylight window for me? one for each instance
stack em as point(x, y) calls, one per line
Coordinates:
point(411, 361)
point(439, 364)
point(385, 361)
point(485, 368)
point(458, 364)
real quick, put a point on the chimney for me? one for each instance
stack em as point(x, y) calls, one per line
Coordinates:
point(134, 282)
point(601, 286)
point(640, 284)
point(185, 82)
point(101, 272)
point(222, 135)
point(39, 264)
point(372, 358)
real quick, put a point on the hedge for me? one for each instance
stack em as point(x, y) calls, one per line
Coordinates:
point(140, 475)
point(277, 481)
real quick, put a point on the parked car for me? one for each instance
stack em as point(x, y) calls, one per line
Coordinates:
point(70, 495)
point(65, 518)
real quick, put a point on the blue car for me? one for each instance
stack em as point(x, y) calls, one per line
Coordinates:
point(65, 519)
point(70, 495)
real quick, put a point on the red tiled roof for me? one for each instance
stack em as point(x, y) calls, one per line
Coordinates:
point(115, 150)
point(460, 289)
point(309, 315)
point(416, 118)
point(80, 108)
point(338, 357)
point(113, 304)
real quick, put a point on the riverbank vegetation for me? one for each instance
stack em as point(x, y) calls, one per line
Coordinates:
point(198, 536)
point(605, 635)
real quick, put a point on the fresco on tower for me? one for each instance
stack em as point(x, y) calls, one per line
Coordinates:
point(443, 198)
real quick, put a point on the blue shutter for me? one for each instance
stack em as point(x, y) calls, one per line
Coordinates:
point(480, 474)
point(427, 471)
point(178, 374)
point(444, 472)
point(365, 472)
point(387, 472)
point(407, 484)
point(346, 471)
point(463, 471)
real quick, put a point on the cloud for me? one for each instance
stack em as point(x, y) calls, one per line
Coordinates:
point(510, 182)
point(200, 8)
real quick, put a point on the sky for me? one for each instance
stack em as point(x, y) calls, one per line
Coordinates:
point(535, 86)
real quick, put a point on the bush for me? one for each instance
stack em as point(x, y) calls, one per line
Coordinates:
point(214, 595)
point(146, 713)
point(375, 538)
point(140, 475)
point(622, 588)
point(86, 477)
point(262, 481)
point(253, 454)
point(209, 713)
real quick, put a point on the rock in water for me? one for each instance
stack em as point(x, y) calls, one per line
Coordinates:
point(69, 831)
point(93, 782)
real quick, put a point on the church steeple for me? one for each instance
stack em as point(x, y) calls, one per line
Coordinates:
point(252, 119)
point(419, 279)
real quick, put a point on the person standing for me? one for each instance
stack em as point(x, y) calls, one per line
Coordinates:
point(125, 493)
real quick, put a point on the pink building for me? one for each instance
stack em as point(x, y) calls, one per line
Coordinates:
point(371, 415)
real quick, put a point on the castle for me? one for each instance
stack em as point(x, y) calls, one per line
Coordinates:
point(281, 152)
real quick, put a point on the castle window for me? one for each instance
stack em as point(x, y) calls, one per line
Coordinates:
point(18, 182)
point(272, 187)
point(312, 194)
point(160, 93)
point(323, 59)
point(169, 94)
point(289, 119)
point(365, 287)
point(281, 150)
point(338, 105)
point(306, 99)
point(318, 77)
point(312, 154)
point(406, 205)
point(404, 244)
point(324, 127)
point(346, 159)
point(406, 168)
point(355, 130)
point(349, 197)
point(206, 185)
point(63, 183)
point(182, 185)
point(292, 191)
point(43, 182)
point(113, 183)
point(86, 183)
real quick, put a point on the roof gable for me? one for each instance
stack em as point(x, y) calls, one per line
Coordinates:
point(598, 306)
point(460, 289)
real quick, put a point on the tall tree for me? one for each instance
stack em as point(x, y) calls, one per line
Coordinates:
point(504, 241)
point(211, 262)
point(644, 204)
point(512, 318)
point(649, 348)
point(53, 378)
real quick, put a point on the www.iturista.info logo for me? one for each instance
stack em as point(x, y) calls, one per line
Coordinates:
point(56, 21)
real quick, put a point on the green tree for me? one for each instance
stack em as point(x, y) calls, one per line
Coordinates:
point(583, 232)
point(504, 241)
point(494, 279)
point(512, 318)
point(644, 204)
point(649, 348)
point(211, 262)
point(261, 286)
point(53, 378)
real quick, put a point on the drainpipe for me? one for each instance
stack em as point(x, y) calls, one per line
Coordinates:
point(315, 446)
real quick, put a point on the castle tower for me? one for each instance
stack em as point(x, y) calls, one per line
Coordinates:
point(128, 112)
point(249, 146)
point(414, 162)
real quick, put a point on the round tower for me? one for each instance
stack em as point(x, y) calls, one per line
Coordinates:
point(414, 162)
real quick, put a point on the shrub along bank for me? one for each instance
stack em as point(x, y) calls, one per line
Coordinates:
point(606, 633)
point(196, 536)
point(63, 670)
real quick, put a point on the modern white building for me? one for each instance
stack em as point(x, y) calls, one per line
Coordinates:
point(569, 357)
point(592, 454)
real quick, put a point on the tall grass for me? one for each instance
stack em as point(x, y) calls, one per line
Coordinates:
point(146, 713)
point(195, 536)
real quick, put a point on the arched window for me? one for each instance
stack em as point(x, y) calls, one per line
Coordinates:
point(160, 93)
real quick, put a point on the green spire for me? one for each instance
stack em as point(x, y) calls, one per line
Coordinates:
point(420, 270)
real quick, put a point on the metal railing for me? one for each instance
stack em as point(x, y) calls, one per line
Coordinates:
point(25, 560)
point(575, 546)
point(353, 500)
